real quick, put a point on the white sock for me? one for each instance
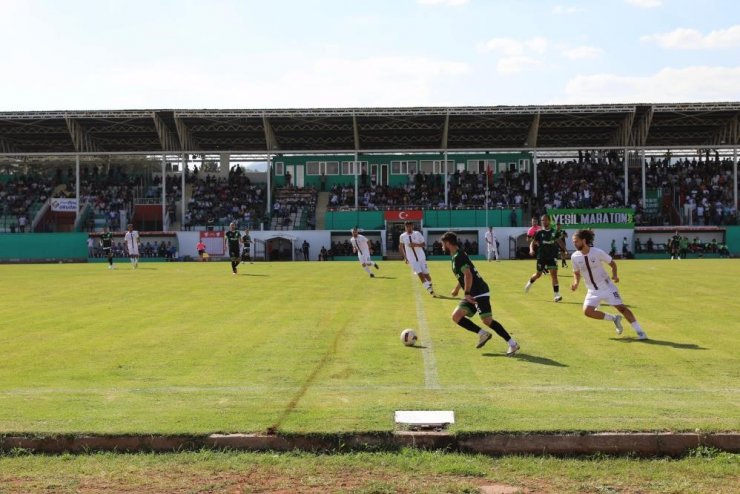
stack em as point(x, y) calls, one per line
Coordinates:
point(512, 343)
point(637, 326)
point(609, 317)
point(425, 284)
point(367, 269)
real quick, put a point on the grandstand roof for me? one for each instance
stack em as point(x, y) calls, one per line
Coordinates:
point(314, 130)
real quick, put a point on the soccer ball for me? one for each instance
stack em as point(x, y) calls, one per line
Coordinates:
point(408, 337)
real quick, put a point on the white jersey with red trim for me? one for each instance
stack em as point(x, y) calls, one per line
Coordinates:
point(360, 243)
point(413, 254)
point(591, 267)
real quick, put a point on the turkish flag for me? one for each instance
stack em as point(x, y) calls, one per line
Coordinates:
point(415, 215)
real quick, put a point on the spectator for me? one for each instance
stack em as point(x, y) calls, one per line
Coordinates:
point(305, 248)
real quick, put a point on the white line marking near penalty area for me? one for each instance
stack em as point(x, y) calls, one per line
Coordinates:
point(431, 381)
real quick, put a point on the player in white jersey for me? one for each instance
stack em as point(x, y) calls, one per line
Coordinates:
point(588, 263)
point(131, 242)
point(412, 246)
point(361, 246)
point(491, 245)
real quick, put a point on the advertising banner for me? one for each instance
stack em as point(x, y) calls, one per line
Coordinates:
point(64, 205)
point(593, 218)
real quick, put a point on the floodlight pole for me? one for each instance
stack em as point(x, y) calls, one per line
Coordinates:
point(164, 191)
point(184, 165)
point(77, 187)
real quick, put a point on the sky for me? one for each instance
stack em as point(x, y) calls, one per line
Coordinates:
point(217, 54)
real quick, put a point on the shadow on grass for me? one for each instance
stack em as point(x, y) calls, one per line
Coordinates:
point(529, 358)
point(385, 277)
point(249, 274)
point(446, 297)
point(672, 344)
point(420, 347)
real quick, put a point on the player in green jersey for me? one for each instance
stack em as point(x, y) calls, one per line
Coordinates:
point(477, 296)
point(106, 242)
point(548, 248)
point(232, 237)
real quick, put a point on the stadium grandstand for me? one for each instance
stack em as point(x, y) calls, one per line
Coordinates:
point(331, 168)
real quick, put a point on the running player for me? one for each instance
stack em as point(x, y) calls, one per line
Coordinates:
point(106, 242)
point(491, 244)
point(131, 243)
point(587, 262)
point(362, 248)
point(477, 296)
point(547, 253)
point(233, 238)
point(412, 246)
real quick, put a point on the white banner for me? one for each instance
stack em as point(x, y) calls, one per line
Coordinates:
point(64, 205)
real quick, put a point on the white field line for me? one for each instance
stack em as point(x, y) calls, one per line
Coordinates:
point(431, 381)
point(358, 388)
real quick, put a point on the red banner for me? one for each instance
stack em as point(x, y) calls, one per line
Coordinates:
point(415, 215)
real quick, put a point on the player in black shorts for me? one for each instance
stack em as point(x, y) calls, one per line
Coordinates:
point(233, 239)
point(673, 245)
point(106, 242)
point(548, 250)
point(477, 296)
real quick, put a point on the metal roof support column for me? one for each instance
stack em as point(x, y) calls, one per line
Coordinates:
point(534, 164)
point(269, 186)
point(447, 182)
point(644, 190)
point(77, 187)
point(626, 185)
point(164, 192)
point(183, 166)
point(734, 173)
point(357, 188)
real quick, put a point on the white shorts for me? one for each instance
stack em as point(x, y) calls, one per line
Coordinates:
point(419, 267)
point(608, 294)
point(364, 258)
point(134, 251)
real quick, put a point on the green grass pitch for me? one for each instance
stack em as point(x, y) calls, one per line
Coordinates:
point(301, 347)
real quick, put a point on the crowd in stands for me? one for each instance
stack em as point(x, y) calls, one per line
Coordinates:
point(19, 194)
point(295, 208)
point(594, 181)
point(703, 189)
point(697, 191)
point(424, 191)
point(219, 201)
